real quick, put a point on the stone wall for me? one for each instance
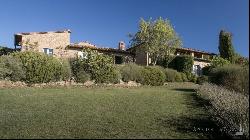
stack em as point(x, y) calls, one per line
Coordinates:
point(54, 40)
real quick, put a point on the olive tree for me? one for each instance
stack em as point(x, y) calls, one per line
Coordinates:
point(158, 38)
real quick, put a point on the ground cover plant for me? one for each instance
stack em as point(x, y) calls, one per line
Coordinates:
point(230, 109)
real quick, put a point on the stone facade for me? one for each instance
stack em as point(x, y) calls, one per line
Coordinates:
point(120, 56)
point(57, 41)
point(198, 65)
point(201, 58)
point(58, 44)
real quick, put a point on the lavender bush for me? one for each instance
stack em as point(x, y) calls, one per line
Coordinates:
point(229, 108)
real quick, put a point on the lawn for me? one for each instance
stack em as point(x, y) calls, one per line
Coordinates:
point(103, 112)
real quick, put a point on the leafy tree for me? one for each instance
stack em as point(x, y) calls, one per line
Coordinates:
point(99, 66)
point(241, 60)
point(226, 47)
point(219, 62)
point(158, 37)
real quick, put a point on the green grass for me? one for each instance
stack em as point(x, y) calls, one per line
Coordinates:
point(102, 112)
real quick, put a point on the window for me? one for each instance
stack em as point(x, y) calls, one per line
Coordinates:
point(48, 51)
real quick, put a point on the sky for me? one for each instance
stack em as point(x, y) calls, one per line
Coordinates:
point(106, 22)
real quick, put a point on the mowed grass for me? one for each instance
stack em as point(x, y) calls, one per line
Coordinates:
point(102, 112)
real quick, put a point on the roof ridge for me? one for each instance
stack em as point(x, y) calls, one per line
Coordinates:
point(42, 32)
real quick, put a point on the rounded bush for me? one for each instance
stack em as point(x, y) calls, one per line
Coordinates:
point(131, 72)
point(110, 75)
point(182, 63)
point(39, 67)
point(191, 77)
point(184, 77)
point(170, 75)
point(11, 68)
point(178, 77)
point(82, 76)
point(153, 76)
point(232, 77)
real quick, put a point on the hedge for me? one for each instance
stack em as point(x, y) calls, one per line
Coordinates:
point(182, 63)
point(232, 77)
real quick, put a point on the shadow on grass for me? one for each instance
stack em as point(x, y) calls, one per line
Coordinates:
point(200, 126)
point(200, 123)
point(184, 89)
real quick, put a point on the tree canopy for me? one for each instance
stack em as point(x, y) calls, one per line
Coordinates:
point(158, 38)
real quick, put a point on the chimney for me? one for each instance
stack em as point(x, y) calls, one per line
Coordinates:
point(121, 46)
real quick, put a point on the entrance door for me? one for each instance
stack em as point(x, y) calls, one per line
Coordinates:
point(197, 70)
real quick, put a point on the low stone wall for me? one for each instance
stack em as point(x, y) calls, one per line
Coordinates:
point(11, 84)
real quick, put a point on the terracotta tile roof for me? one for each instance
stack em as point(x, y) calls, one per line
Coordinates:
point(78, 46)
point(184, 49)
point(195, 50)
point(31, 33)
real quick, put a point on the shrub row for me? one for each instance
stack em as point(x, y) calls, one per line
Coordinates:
point(233, 77)
point(229, 108)
point(35, 67)
point(153, 75)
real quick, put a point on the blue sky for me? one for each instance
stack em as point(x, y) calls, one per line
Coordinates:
point(106, 22)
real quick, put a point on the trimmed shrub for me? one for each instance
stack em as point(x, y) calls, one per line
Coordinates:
point(202, 79)
point(78, 68)
point(191, 77)
point(170, 75)
point(233, 77)
point(107, 75)
point(184, 77)
point(131, 72)
point(39, 67)
point(206, 70)
point(66, 70)
point(82, 76)
point(182, 63)
point(152, 76)
point(178, 77)
point(228, 108)
point(11, 68)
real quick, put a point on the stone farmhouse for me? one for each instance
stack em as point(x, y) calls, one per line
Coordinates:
point(57, 43)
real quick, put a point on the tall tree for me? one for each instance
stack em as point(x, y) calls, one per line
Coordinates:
point(226, 47)
point(158, 37)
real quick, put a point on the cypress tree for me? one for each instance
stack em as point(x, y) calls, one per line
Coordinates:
point(225, 46)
